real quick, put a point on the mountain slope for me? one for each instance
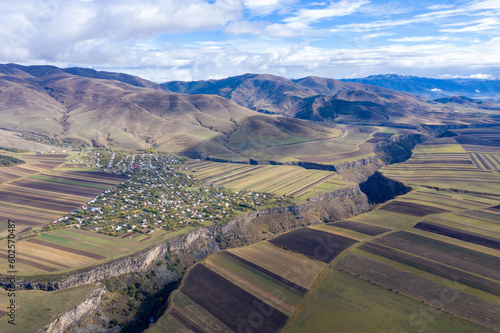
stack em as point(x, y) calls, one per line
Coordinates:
point(322, 99)
point(434, 88)
point(112, 113)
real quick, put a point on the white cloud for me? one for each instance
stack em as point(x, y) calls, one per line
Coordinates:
point(478, 76)
point(242, 28)
point(197, 39)
point(482, 76)
point(335, 9)
point(419, 39)
point(441, 6)
point(266, 7)
point(435, 89)
point(488, 23)
point(281, 30)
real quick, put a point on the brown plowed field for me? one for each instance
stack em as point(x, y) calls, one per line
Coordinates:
point(363, 228)
point(229, 303)
point(412, 208)
point(470, 237)
point(320, 245)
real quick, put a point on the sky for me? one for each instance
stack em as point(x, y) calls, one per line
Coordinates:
point(165, 40)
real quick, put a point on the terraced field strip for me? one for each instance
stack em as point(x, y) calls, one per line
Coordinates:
point(192, 315)
point(228, 302)
point(294, 267)
point(57, 255)
point(305, 188)
point(65, 248)
point(435, 268)
point(48, 203)
point(445, 200)
point(340, 231)
point(485, 161)
point(486, 215)
point(448, 295)
point(217, 172)
point(387, 219)
point(363, 228)
point(21, 261)
point(493, 243)
point(414, 209)
point(250, 180)
point(431, 203)
point(297, 176)
point(28, 216)
point(483, 227)
point(84, 179)
point(275, 292)
point(477, 181)
point(320, 245)
point(474, 262)
point(224, 180)
point(302, 183)
point(275, 182)
point(267, 272)
point(344, 303)
point(263, 178)
point(168, 324)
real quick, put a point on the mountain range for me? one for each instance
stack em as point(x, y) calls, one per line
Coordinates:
point(214, 117)
point(435, 88)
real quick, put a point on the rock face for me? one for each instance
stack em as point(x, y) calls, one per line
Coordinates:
point(360, 170)
point(60, 324)
point(197, 244)
point(137, 262)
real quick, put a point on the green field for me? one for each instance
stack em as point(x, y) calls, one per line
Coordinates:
point(35, 309)
point(254, 281)
point(344, 303)
point(63, 250)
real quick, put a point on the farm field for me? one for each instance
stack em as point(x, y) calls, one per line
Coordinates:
point(323, 246)
point(35, 308)
point(274, 179)
point(41, 191)
point(344, 303)
point(227, 302)
point(422, 267)
point(349, 143)
point(280, 262)
point(465, 162)
point(232, 289)
point(67, 249)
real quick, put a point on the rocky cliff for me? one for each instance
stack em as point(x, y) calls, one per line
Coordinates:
point(61, 323)
point(137, 262)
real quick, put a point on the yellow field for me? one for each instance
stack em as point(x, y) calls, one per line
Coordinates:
point(275, 179)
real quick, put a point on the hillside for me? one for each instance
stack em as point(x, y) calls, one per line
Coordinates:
point(100, 109)
point(434, 88)
point(323, 99)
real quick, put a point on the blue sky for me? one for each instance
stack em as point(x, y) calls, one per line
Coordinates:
point(165, 40)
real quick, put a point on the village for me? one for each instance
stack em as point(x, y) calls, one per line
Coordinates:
point(160, 195)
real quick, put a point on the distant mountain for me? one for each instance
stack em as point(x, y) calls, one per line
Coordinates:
point(434, 88)
point(118, 110)
point(320, 99)
point(42, 71)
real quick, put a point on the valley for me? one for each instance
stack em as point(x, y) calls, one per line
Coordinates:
point(270, 205)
